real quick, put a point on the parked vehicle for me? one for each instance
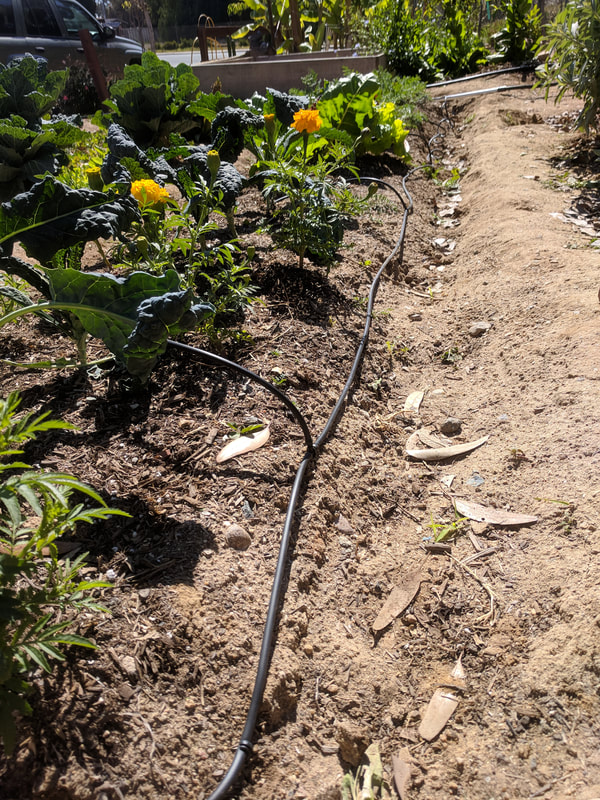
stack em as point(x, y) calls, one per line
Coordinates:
point(50, 28)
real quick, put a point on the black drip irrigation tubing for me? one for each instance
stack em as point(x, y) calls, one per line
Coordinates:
point(529, 67)
point(493, 89)
point(313, 448)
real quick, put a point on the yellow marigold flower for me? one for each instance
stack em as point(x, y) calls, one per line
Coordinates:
point(149, 194)
point(307, 120)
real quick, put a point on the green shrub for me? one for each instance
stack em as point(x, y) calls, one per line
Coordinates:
point(573, 42)
point(519, 38)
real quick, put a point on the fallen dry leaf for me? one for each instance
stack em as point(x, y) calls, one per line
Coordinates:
point(413, 402)
point(400, 598)
point(441, 707)
point(402, 772)
point(244, 444)
point(442, 704)
point(492, 516)
point(442, 453)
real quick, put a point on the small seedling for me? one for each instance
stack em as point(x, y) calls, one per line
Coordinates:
point(368, 783)
point(443, 531)
point(451, 355)
point(517, 457)
point(236, 430)
point(398, 349)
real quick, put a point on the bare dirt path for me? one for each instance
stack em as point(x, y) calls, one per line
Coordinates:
point(494, 318)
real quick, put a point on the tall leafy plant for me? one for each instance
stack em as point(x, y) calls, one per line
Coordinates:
point(40, 594)
point(153, 100)
point(573, 61)
point(519, 38)
point(31, 146)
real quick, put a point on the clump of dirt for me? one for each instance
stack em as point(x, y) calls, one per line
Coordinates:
point(488, 327)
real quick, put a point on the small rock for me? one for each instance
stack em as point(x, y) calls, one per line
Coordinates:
point(128, 665)
point(345, 542)
point(126, 691)
point(343, 525)
point(451, 426)
point(237, 538)
point(247, 510)
point(415, 316)
point(353, 742)
point(475, 480)
point(479, 328)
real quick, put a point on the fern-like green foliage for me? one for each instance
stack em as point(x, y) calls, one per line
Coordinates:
point(40, 594)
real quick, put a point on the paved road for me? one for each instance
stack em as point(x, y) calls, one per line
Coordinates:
point(185, 56)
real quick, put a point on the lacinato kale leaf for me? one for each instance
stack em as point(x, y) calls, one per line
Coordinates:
point(121, 146)
point(51, 217)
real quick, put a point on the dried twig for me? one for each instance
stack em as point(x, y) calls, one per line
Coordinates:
point(490, 592)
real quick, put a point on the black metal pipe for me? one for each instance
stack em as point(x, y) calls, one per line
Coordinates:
point(490, 91)
point(529, 67)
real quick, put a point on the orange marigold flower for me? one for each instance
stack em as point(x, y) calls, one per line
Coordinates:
point(149, 194)
point(307, 120)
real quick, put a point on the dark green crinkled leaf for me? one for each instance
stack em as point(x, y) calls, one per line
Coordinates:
point(25, 153)
point(50, 217)
point(28, 89)
point(121, 146)
point(150, 309)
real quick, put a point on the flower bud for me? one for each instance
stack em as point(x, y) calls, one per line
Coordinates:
point(94, 179)
point(213, 161)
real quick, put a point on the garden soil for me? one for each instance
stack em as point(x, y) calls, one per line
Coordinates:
point(487, 329)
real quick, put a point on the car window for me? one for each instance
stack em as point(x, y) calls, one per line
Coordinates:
point(75, 18)
point(7, 18)
point(39, 19)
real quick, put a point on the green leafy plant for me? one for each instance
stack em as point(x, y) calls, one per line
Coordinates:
point(369, 782)
point(408, 93)
point(403, 31)
point(134, 316)
point(26, 154)
point(308, 207)
point(40, 594)
point(28, 89)
point(459, 50)
point(351, 105)
point(519, 38)
point(153, 100)
point(573, 61)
